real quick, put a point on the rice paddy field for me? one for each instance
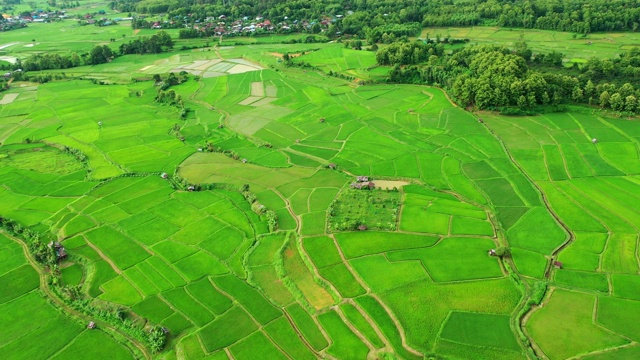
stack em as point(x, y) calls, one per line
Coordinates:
point(414, 282)
point(575, 47)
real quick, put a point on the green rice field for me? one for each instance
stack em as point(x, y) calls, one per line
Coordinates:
point(263, 248)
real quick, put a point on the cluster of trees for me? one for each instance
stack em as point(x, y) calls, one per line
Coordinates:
point(493, 77)
point(154, 44)
point(100, 54)
point(389, 33)
point(567, 15)
point(406, 53)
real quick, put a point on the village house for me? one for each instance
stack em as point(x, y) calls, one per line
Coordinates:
point(61, 253)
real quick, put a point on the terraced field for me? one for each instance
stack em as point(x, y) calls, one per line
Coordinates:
point(410, 276)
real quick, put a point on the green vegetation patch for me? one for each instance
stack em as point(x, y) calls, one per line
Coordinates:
point(18, 282)
point(281, 332)
point(479, 329)
point(322, 251)
point(570, 315)
point(346, 345)
point(340, 276)
point(256, 343)
point(373, 209)
point(620, 316)
point(227, 329)
point(304, 322)
point(357, 244)
point(249, 297)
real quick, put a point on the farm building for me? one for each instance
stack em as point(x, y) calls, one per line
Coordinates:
point(61, 253)
point(362, 179)
point(557, 264)
point(363, 185)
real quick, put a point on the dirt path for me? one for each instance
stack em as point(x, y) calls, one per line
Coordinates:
point(44, 286)
point(570, 236)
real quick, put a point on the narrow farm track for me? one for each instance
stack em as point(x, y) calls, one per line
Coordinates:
point(570, 235)
point(44, 286)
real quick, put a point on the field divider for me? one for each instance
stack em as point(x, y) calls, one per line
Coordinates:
point(373, 324)
point(56, 301)
point(396, 322)
point(300, 336)
point(314, 271)
point(351, 327)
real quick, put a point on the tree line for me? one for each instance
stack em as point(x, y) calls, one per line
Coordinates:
point(516, 80)
point(360, 16)
point(100, 54)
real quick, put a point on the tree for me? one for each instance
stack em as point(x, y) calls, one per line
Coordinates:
point(617, 102)
point(75, 60)
point(604, 99)
point(577, 94)
point(96, 56)
point(630, 103)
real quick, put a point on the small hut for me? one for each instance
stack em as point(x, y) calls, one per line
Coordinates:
point(61, 253)
point(362, 227)
point(191, 188)
point(557, 264)
point(362, 179)
point(594, 141)
point(332, 166)
point(164, 175)
point(480, 120)
point(244, 161)
point(92, 325)
point(492, 252)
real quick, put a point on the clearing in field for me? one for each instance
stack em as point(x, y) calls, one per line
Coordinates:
point(8, 99)
point(362, 209)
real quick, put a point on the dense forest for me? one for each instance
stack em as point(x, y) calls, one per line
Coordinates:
point(516, 80)
point(563, 15)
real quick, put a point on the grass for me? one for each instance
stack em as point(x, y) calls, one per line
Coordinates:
point(625, 286)
point(209, 296)
point(386, 325)
point(340, 276)
point(574, 331)
point(297, 272)
point(362, 324)
point(443, 260)
point(227, 329)
point(307, 327)
point(249, 297)
point(485, 330)
point(188, 306)
point(281, 332)
point(577, 49)
point(585, 280)
point(381, 274)
point(17, 282)
point(423, 306)
point(356, 244)
point(201, 263)
point(322, 251)
point(256, 342)
point(377, 210)
point(346, 345)
point(537, 221)
point(617, 315)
